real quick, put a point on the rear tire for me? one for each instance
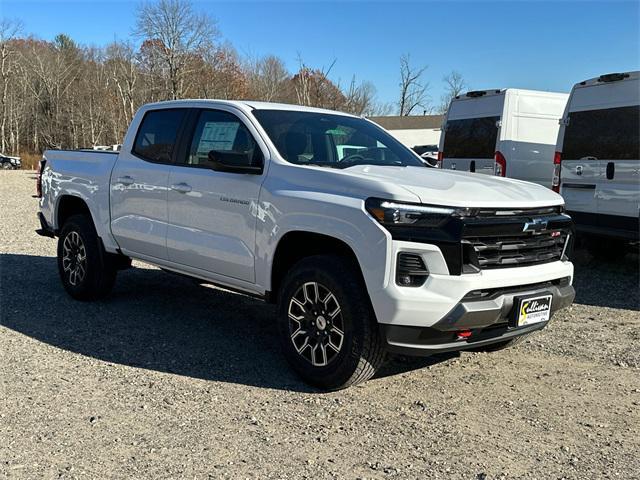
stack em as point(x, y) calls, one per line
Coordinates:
point(83, 265)
point(327, 328)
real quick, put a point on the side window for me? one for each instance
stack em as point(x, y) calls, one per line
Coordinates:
point(157, 134)
point(471, 138)
point(224, 133)
point(606, 134)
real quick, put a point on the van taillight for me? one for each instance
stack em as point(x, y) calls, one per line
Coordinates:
point(557, 166)
point(500, 166)
point(439, 161)
point(39, 178)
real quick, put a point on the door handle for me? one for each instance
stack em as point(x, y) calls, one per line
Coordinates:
point(125, 180)
point(611, 170)
point(181, 187)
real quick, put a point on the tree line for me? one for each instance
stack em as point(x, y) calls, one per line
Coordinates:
point(60, 94)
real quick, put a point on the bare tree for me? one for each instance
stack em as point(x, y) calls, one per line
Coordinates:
point(54, 69)
point(360, 99)
point(267, 77)
point(121, 64)
point(65, 95)
point(9, 30)
point(455, 84)
point(181, 33)
point(313, 88)
point(413, 91)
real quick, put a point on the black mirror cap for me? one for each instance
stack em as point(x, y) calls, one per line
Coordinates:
point(224, 162)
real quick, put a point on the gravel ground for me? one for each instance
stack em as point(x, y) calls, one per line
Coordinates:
point(170, 379)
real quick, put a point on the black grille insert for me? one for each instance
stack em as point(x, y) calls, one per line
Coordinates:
point(517, 250)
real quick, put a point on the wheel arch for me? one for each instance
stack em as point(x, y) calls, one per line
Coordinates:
point(299, 244)
point(69, 205)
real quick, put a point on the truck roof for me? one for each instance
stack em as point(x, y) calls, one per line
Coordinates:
point(246, 105)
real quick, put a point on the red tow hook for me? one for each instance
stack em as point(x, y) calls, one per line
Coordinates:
point(463, 334)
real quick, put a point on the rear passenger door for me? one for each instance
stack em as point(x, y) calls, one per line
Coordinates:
point(139, 185)
point(212, 214)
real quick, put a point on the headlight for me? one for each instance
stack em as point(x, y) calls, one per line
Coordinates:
point(391, 213)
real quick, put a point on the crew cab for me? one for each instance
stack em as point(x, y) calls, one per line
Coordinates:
point(364, 249)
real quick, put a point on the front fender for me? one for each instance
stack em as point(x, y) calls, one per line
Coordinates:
point(337, 216)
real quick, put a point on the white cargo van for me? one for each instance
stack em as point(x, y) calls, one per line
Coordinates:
point(509, 133)
point(597, 164)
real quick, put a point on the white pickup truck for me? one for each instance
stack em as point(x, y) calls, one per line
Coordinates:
point(364, 249)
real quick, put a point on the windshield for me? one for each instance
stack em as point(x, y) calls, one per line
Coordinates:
point(337, 141)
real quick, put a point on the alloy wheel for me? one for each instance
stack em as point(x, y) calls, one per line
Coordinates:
point(316, 325)
point(74, 258)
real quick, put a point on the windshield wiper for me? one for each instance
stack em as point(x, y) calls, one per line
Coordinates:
point(358, 164)
point(324, 165)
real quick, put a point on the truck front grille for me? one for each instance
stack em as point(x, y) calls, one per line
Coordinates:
point(517, 250)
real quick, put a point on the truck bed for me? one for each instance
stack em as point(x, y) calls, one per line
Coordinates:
point(83, 173)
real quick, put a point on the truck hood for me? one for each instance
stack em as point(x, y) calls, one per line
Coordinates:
point(461, 189)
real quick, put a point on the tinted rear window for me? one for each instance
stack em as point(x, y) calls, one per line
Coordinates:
point(471, 138)
point(157, 134)
point(607, 134)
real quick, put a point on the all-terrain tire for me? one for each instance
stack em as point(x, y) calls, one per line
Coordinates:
point(338, 287)
point(86, 270)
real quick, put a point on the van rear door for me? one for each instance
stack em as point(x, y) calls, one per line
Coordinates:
point(617, 146)
point(471, 132)
point(603, 129)
point(581, 173)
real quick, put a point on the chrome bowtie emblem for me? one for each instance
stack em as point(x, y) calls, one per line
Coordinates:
point(535, 225)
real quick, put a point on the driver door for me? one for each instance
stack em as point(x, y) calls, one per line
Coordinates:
point(211, 214)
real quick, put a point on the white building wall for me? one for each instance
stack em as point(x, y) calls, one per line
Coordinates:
point(413, 137)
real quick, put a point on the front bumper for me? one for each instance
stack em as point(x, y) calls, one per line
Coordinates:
point(429, 303)
point(487, 315)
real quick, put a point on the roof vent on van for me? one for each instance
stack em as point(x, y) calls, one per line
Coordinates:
point(476, 93)
point(613, 77)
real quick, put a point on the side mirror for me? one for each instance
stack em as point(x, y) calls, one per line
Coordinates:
point(233, 162)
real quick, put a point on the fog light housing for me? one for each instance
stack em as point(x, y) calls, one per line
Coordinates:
point(410, 270)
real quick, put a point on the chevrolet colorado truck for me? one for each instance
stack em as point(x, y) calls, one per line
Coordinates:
point(364, 249)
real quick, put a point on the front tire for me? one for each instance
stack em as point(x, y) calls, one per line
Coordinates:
point(327, 328)
point(83, 264)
